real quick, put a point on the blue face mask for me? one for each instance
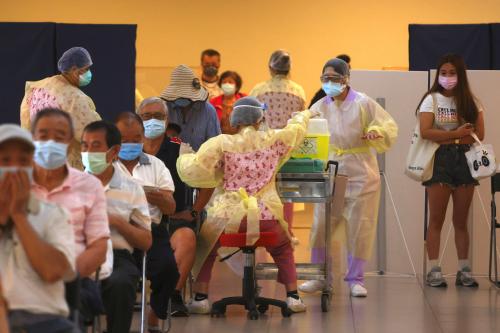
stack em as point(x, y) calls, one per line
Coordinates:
point(85, 79)
point(333, 89)
point(130, 151)
point(153, 128)
point(28, 170)
point(182, 102)
point(49, 154)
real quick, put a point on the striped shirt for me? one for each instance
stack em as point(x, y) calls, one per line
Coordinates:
point(127, 199)
point(152, 172)
point(83, 197)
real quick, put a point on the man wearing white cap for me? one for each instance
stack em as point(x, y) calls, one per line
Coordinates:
point(36, 243)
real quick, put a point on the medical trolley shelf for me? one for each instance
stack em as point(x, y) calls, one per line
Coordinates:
point(308, 188)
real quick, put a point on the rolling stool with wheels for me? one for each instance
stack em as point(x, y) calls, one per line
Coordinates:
point(249, 299)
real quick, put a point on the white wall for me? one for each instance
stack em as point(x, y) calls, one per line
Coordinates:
point(485, 86)
point(402, 92)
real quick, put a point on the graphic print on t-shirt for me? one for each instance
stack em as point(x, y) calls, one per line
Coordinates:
point(446, 118)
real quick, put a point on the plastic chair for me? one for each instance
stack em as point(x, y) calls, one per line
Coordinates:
point(249, 299)
point(493, 263)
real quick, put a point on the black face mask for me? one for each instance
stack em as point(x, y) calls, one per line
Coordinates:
point(210, 71)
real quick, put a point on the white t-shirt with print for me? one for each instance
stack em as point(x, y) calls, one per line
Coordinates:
point(446, 116)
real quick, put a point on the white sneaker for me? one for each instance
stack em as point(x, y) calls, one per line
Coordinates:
point(358, 290)
point(312, 286)
point(199, 307)
point(296, 305)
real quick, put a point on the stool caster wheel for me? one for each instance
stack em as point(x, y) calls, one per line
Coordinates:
point(325, 302)
point(263, 308)
point(286, 312)
point(253, 314)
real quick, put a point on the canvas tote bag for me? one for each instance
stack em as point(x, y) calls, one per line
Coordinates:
point(420, 158)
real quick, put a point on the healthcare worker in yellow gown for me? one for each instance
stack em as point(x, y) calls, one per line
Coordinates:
point(359, 128)
point(243, 168)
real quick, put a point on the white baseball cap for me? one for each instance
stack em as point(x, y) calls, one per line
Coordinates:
point(12, 131)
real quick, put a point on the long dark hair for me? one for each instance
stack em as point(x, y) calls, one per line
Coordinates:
point(464, 99)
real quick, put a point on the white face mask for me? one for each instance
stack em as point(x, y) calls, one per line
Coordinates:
point(28, 170)
point(228, 89)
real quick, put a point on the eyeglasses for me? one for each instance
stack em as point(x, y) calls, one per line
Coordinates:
point(156, 115)
point(331, 78)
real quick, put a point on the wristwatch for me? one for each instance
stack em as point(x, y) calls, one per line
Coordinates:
point(194, 213)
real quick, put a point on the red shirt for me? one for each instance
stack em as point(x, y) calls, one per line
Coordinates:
point(217, 103)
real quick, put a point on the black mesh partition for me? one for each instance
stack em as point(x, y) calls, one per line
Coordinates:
point(112, 48)
point(27, 54)
point(428, 42)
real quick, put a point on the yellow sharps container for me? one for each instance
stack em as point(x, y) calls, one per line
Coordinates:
point(316, 142)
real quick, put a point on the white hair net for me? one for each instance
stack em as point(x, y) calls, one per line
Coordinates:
point(280, 61)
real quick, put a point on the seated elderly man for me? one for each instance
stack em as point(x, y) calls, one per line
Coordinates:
point(182, 225)
point(128, 219)
point(81, 194)
point(36, 243)
point(152, 174)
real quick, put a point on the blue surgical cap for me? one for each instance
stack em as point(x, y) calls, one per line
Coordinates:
point(75, 56)
point(246, 111)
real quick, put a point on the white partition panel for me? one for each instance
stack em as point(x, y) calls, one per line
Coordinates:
point(402, 92)
point(485, 85)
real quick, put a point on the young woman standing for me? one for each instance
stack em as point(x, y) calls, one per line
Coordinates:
point(449, 113)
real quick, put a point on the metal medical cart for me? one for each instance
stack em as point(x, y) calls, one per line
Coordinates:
point(318, 187)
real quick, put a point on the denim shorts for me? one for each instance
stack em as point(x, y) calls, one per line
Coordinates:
point(450, 167)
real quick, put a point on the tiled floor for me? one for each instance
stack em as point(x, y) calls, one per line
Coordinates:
point(394, 304)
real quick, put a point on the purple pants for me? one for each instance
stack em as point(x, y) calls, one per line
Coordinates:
point(282, 254)
point(355, 266)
